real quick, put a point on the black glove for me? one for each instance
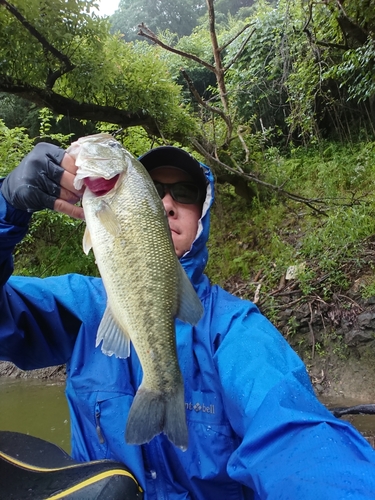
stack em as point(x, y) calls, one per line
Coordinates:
point(35, 183)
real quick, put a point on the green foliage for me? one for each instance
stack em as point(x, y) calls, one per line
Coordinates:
point(330, 171)
point(289, 82)
point(72, 27)
point(133, 139)
point(355, 72)
point(336, 235)
point(14, 145)
point(254, 81)
point(17, 112)
point(231, 7)
point(269, 235)
point(368, 287)
point(75, 56)
point(244, 240)
point(53, 246)
point(15, 142)
point(306, 281)
point(132, 77)
point(295, 73)
point(45, 130)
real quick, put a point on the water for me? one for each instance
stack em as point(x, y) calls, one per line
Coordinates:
point(364, 423)
point(39, 408)
point(35, 407)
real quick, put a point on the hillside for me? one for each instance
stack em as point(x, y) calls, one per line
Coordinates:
point(310, 270)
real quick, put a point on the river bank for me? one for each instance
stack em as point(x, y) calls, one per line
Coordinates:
point(56, 373)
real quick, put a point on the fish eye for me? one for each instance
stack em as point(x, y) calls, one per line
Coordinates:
point(114, 144)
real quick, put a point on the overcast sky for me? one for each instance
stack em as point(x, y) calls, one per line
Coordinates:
point(107, 7)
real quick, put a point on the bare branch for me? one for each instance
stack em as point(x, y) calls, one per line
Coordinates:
point(239, 53)
point(235, 36)
point(147, 33)
point(251, 177)
point(219, 70)
point(244, 145)
point(203, 103)
point(309, 18)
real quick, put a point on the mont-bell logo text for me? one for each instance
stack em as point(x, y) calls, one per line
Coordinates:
point(198, 407)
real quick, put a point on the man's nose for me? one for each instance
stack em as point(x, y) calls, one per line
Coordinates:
point(169, 204)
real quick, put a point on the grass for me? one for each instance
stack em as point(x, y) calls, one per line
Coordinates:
point(252, 245)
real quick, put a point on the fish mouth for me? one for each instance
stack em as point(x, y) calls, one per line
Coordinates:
point(99, 185)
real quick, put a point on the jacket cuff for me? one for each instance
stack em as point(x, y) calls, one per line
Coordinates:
point(11, 215)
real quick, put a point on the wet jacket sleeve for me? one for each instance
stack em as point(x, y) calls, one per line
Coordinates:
point(37, 324)
point(13, 227)
point(291, 446)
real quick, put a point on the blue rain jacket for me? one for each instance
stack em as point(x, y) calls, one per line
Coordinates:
point(256, 429)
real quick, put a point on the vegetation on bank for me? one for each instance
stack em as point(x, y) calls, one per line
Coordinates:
point(259, 238)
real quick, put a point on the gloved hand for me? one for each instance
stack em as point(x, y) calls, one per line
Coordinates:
point(35, 183)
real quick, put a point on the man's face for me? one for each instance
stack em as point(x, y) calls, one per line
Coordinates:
point(183, 219)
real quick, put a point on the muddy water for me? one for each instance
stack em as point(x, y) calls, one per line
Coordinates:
point(35, 407)
point(364, 423)
point(39, 408)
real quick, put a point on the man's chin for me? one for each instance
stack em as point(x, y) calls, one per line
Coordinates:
point(179, 252)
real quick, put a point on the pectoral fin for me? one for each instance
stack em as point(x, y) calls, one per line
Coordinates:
point(115, 340)
point(108, 218)
point(190, 309)
point(86, 243)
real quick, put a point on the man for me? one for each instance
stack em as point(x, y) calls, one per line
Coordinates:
point(256, 429)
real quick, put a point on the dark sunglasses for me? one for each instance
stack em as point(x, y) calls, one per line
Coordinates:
point(182, 192)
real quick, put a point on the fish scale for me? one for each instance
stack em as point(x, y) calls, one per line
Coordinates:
point(145, 283)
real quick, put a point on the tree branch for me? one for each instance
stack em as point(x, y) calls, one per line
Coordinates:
point(200, 101)
point(226, 44)
point(241, 49)
point(332, 45)
point(251, 177)
point(217, 69)
point(68, 65)
point(147, 33)
point(84, 111)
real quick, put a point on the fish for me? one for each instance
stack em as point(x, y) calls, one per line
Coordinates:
point(146, 286)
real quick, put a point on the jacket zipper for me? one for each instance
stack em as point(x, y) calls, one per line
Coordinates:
point(97, 421)
point(152, 456)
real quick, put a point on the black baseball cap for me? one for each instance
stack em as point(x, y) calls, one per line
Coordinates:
point(170, 156)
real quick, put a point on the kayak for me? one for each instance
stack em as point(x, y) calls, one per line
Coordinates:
point(31, 467)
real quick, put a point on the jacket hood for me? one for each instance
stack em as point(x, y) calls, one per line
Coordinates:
point(194, 261)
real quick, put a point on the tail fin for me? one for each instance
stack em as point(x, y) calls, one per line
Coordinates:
point(154, 412)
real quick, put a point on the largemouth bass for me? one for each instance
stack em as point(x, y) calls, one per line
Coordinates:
point(146, 286)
